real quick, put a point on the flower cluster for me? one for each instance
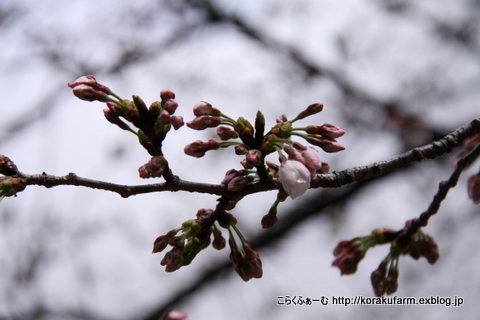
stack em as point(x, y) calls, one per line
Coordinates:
point(153, 168)
point(246, 261)
point(385, 278)
point(292, 176)
point(152, 123)
point(423, 245)
point(195, 236)
point(294, 173)
point(348, 253)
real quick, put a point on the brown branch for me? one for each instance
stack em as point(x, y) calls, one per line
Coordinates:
point(330, 180)
point(404, 235)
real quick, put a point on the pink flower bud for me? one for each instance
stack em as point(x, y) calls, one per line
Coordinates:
point(219, 241)
point(87, 88)
point(294, 177)
point(226, 133)
point(113, 107)
point(199, 148)
point(294, 154)
point(170, 106)
point(474, 188)
point(153, 168)
point(113, 118)
point(167, 94)
point(312, 160)
point(311, 110)
point(253, 158)
point(230, 174)
point(87, 93)
point(326, 130)
point(282, 118)
point(238, 183)
point(377, 279)
point(177, 122)
point(391, 281)
point(175, 315)
point(203, 122)
point(143, 172)
point(328, 145)
point(91, 82)
point(202, 108)
point(270, 218)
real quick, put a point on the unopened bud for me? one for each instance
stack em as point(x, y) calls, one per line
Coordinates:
point(170, 106)
point(474, 188)
point(87, 93)
point(203, 122)
point(238, 183)
point(282, 118)
point(204, 108)
point(226, 133)
point(253, 158)
point(219, 241)
point(87, 88)
point(199, 148)
point(7, 167)
point(166, 95)
point(10, 186)
point(113, 118)
point(328, 145)
point(326, 130)
point(175, 315)
point(177, 122)
point(377, 279)
point(311, 110)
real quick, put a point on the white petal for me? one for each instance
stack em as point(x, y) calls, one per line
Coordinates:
point(294, 177)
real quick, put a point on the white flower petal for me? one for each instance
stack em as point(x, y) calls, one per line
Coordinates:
point(294, 177)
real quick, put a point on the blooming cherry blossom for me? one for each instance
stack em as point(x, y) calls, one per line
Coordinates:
point(294, 177)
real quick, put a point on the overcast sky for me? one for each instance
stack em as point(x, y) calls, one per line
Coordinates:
point(68, 250)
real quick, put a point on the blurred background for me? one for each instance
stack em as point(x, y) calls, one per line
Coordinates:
point(394, 74)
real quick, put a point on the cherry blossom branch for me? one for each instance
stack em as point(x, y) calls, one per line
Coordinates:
point(300, 169)
point(329, 180)
point(403, 236)
point(429, 151)
point(410, 240)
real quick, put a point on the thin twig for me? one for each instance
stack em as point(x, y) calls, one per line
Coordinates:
point(444, 187)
